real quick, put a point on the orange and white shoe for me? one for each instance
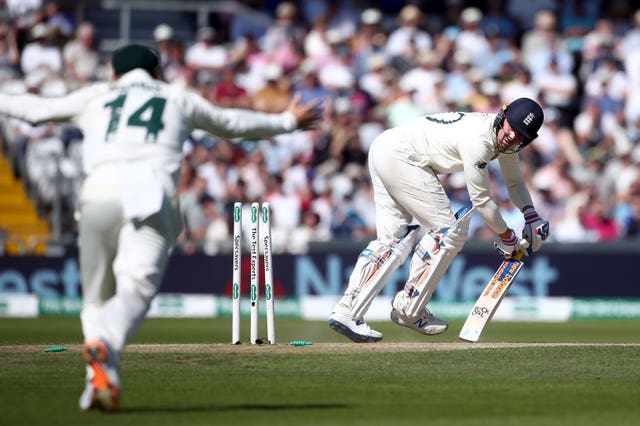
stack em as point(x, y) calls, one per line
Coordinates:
point(102, 388)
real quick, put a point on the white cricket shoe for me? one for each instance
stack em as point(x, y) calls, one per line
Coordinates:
point(356, 330)
point(102, 387)
point(425, 323)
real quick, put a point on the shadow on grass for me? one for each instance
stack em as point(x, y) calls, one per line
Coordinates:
point(227, 408)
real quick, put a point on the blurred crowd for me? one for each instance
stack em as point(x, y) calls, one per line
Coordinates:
point(375, 64)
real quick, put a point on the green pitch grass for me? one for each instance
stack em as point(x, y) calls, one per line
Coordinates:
point(184, 372)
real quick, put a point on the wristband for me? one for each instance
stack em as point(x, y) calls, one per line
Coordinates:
point(531, 217)
point(511, 240)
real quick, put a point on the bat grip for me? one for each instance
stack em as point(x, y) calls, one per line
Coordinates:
point(524, 243)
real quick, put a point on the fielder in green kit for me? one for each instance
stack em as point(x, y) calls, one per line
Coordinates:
point(134, 128)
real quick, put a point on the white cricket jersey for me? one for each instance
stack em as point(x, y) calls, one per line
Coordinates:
point(140, 118)
point(463, 141)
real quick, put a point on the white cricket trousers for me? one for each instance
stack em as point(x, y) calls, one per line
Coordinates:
point(121, 264)
point(403, 191)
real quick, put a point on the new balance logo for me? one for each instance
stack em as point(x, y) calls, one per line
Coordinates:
point(421, 322)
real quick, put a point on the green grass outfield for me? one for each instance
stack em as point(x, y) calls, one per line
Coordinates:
point(184, 372)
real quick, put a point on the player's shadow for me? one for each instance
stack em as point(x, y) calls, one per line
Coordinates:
point(228, 408)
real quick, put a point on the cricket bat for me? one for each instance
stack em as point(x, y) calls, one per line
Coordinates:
point(489, 301)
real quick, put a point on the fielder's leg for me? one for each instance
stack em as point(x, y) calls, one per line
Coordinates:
point(99, 226)
point(375, 265)
point(430, 261)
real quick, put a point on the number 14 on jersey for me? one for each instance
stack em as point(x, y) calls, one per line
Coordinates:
point(148, 115)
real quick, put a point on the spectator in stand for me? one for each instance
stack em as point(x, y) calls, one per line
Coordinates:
point(517, 83)
point(598, 218)
point(316, 47)
point(540, 44)
point(363, 202)
point(618, 12)
point(284, 37)
point(40, 56)
point(344, 15)
point(308, 232)
point(347, 223)
point(401, 105)
point(286, 208)
point(628, 213)
point(554, 139)
point(322, 203)
point(502, 51)
point(274, 96)
point(176, 70)
point(210, 166)
point(557, 176)
point(624, 172)
point(497, 21)
point(548, 206)
point(587, 126)
point(81, 59)
point(22, 135)
point(457, 81)
point(217, 237)
point(227, 93)
point(599, 43)
point(408, 39)
point(295, 178)
point(336, 71)
point(61, 24)
point(308, 84)
point(163, 36)
point(607, 85)
point(336, 138)
point(471, 38)
point(525, 12)
point(242, 25)
point(487, 97)
point(629, 49)
point(23, 16)
point(206, 57)
point(377, 81)
point(423, 79)
point(369, 39)
point(251, 64)
point(190, 205)
point(558, 89)
point(200, 221)
point(577, 18)
point(9, 53)
point(570, 228)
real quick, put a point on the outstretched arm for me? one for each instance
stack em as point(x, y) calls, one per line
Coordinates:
point(231, 123)
point(38, 109)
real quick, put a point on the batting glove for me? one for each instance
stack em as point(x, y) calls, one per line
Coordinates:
point(536, 230)
point(509, 244)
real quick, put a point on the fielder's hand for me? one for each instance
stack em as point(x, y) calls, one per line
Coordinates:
point(509, 244)
point(536, 230)
point(307, 115)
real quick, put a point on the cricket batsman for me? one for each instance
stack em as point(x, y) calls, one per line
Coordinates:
point(134, 128)
point(404, 164)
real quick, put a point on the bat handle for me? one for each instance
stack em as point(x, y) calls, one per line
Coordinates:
point(524, 243)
